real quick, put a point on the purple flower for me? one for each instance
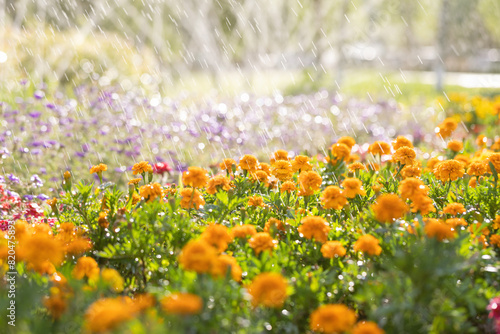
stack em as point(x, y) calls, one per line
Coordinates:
point(35, 114)
point(37, 182)
point(39, 94)
point(13, 178)
point(43, 197)
point(29, 197)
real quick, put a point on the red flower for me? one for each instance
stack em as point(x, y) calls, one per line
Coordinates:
point(161, 168)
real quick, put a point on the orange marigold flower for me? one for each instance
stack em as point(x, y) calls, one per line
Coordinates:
point(39, 250)
point(439, 230)
point(52, 203)
point(108, 313)
point(195, 177)
point(265, 167)
point(368, 244)
point(495, 240)
point(473, 182)
point(279, 155)
point(411, 187)
point(260, 176)
point(222, 264)
point(401, 142)
point(356, 166)
point(478, 227)
point(496, 145)
point(190, 200)
point(454, 222)
point(379, 147)
point(98, 169)
point(142, 167)
point(464, 159)
point(478, 168)
point(446, 128)
point(411, 171)
point(314, 227)
point(262, 241)
point(432, 162)
point(404, 155)
point(331, 249)
point(455, 145)
point(422, 204)
point(353, 187)
point(389, 207)
point(268, 289)
point(301, 163)
point(309, 182)
point(243, 231)
point(332, 318)
point(227, 164)
point(481, 141)
point(347, 140)
point(496, 223)
point(151, 191)
point(218, 182)
point(282, 169)
point(217, 235)
point(373, 166)
point(288, 186)
point(134, 181)
point(197, 255)
point(494, 159)
point(340, 152)
point(256, 201)
point(86, 266)
point(377, 187)
point(113, 278)
point(454, 209)
point(67, 175)
point(248, 162)
point(55, 304)
point(274, 224)
point(182, 303)
point(367, 327)
point(449, 170)
point(333, 198)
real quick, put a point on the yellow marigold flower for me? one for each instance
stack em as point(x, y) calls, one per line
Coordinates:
point(367, 327)
point(333, 198)
point(332, 318)
point(411, 187)
point(67, 175)
point(455, 145)
point(222, 264)
point(218, 182)
point(248, 162)
point(268, 289)
point(151, 191)
point(113, 278)
point(478, 168)
point(449, 170)
point(182, 303)
point(454, 209)
point(389, 207)
point(195, 177)
point(340, 152)
point(98, 169)
point(401, 142)
point(432, 162)
point(39, 250)
point(301, 163)
point(227, 164)
point(243, 231)
point(347, 140)
point(108, 313)
point(142, 167)
point(309, 182)
point(454, 222)
point(197, 255)
point(495, 240)
point(274, 224)
point(495, 161)
point(356, 166)
point(86, 267)
point(379, 147)
point(134, 181)
point(260, 176)
point(423, 204)
point(265, 167)
point(279, 155)
point(314, 227)
point(217, 235)
point(411, 171)
point(331, 249)
point(439, 230)
point(191, 200)
point(368, 244)
point(353, 187)
point(446, 128)
point(256, 201)
point(262, 241)
point(288, 186)
point(404, 155)
point(282, 169)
